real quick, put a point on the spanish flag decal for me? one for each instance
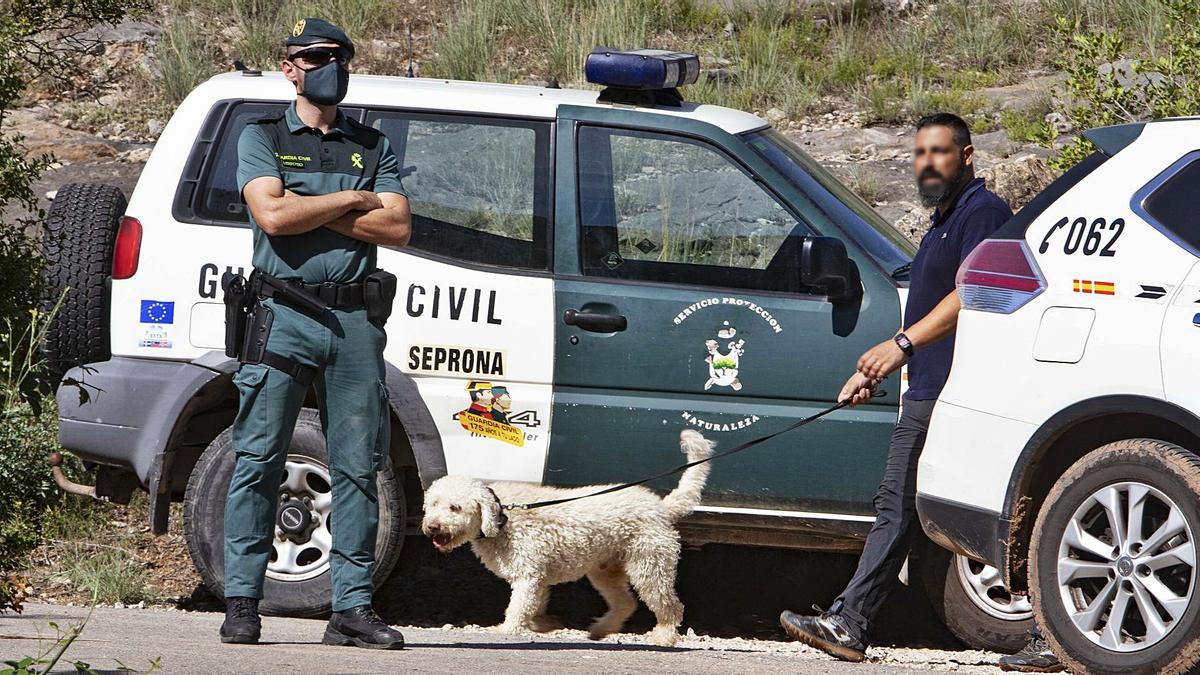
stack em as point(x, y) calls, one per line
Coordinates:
point(1095, 287)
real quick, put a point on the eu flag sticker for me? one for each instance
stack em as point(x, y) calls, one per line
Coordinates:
point(158, 311)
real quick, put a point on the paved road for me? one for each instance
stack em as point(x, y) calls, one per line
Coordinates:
point(186, 642)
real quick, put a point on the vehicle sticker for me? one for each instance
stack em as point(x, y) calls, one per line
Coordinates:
point(455, 360)
point(1095, 287)
point(157, 344)
point(729, 302)
point(1152, 292)
point(723, 366)
point(488, 414)
point(612, 260)
point(158, 311)
point(453, 303)
point(646, 246)
point(706, 425)
point(1086, 239)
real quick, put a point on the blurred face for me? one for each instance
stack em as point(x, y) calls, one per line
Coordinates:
point(939, 165)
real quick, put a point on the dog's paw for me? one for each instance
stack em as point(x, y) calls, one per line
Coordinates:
point(545, 624)
point(664, 636)
point(601, 629)
point(509, 629)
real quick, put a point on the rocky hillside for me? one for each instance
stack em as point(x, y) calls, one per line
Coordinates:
point(844, 79)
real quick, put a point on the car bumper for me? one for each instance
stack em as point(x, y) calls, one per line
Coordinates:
point(963, 479)
point(122, 412)
point(976, 533)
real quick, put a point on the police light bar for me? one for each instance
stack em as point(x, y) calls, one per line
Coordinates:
point(642, 68)
point(641, 76)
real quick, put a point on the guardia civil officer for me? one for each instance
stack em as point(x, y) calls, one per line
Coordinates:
point(966, 214)
point(323, 191)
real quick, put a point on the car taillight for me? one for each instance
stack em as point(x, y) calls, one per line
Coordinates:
point(127, 248)
point(1000, 275)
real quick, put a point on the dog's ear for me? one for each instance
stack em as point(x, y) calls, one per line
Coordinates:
point(492, 517)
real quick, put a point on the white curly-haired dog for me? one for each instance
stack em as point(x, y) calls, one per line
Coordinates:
point(618, 539)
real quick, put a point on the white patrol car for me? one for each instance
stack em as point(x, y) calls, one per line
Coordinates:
point(1079, 452)
point(601, 269)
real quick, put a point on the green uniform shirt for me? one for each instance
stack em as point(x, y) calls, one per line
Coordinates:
point(351, 156)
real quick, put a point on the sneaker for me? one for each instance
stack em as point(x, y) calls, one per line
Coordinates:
point(825, 631)
point(1036, 657)
point(361, 627)
point(242, 625)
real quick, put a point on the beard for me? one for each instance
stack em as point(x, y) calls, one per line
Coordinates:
point(935, 193)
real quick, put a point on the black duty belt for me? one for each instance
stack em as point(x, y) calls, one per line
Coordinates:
point(331, 295)
point(337, 296)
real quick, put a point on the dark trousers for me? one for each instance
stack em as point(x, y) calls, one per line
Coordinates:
point(895, 523)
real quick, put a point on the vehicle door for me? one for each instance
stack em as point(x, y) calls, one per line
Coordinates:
point(473, 319)
point(1169, 202)
point(679, 306)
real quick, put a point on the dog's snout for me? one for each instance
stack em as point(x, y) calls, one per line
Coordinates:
point(433, 527)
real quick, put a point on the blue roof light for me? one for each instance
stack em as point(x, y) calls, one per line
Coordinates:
point(641, 69)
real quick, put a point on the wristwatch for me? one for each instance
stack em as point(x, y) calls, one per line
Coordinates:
point(904, 344)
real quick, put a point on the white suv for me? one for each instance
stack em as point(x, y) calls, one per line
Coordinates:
point(1067, 433)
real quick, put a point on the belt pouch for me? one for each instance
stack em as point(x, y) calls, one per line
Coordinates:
point(379, 290)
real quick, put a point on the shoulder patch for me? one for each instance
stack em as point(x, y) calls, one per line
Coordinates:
point(359, 126)
point(367, 135)
point(269, 119)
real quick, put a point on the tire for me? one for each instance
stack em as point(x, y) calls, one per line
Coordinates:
point(972, 602)
point(301, 592)
point(1080, 560)
point(77, 247)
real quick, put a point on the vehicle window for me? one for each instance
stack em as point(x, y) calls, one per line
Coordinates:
point(479, 188)
point(217, 198)
point(1173, 203)
point(832, 201)
point(657, 207)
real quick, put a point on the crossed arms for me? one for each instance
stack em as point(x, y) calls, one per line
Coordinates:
point(377, 218)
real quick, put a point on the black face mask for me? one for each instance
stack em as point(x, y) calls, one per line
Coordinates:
point(326, 85)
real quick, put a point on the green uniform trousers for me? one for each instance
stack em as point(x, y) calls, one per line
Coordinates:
point(347, 350)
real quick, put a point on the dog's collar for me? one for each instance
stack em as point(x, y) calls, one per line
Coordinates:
point(501, 516)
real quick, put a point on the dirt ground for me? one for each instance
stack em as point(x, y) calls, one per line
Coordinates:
point(129, 640)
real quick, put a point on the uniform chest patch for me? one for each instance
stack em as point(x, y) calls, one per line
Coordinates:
point(293, 161)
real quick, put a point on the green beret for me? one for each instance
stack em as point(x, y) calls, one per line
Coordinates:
point(310, 31)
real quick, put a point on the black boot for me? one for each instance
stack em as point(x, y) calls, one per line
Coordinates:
point(828, 632)
point(1036, 657)
point(362, 627)
point(242, 625)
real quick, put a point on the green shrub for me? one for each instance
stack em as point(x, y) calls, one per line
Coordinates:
point(183, 60)
point(110, 574)
point(1028, 125)
point(26, 486)
point(469, 46)
point(1150, 88)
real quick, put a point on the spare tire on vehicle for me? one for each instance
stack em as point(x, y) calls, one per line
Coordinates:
point(77, 247)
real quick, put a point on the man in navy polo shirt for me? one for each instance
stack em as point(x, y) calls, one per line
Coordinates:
point(966, 214)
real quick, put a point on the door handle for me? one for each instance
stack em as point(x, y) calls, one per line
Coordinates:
point(595, 322)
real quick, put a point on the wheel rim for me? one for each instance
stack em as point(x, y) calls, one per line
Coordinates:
point(1126, 567)
point(985, 587)
point(301, 554)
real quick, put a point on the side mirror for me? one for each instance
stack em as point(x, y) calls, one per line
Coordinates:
point(825, 265)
